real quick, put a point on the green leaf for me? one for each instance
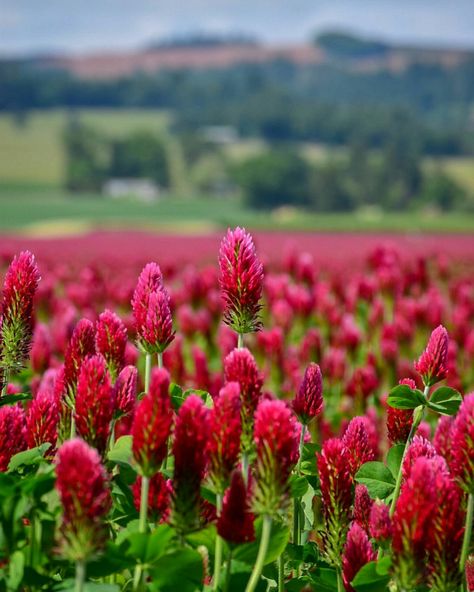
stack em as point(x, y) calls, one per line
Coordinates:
point(16, 570)
point(280, 534)
point(298, 486)
point(377, 478)
point(159, 542)
point(121, 453)
point(403, 397)
point(238, 582)
point(373, 576)
point(179, 570)
point(111, 561)
point(13, 399)
point(394, 458)
point(33, 456)
point(445, 400)
point(205, 537)
point(308, 459)
point(324, 579)
point(177, 396)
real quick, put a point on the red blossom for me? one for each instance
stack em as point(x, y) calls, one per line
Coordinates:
point(432, 364)
point(42, 420)
point(470, 573)
point(125, 390)
point(12, 433)
point(236, 522)
point(241, 281)
point(443, 437)
point(81, 346)
point(159, 497)
point(380, 522)
point(152, 424)
point(41, 349)
point(399, 421)
point(111, 341)
point(419, 447)
point(462, 444)
point(149, 281)
point(308, 402)
point(357, 552)
point(362, 506)
point(357, 444)
point(157, 331)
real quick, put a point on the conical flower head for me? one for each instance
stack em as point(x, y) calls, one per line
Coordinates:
point(152, 424)
point(41, 349)
point(357, 552)
point(276, 436)
point(94, 403)
point(16, 324)
point(159, 497)
point(111, 341)
point(191, 436)
point(357, 444)
point(336, 492)
point(83, 489)
point(80, 347)
point(432, 364)
point(157, 332)
point(12, 433)
point(241, 281)
point(419, 447)
point(308, 402)
point(399, 421)
point(125, 390)
point(462, 444)
point(236, 522)
point(470, 573)
point(362, 506)
point(380, 522)
point(224, 435)
point(42, 419)
point(149, 281)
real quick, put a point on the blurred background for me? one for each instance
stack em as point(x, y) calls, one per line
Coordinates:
point(310, 114)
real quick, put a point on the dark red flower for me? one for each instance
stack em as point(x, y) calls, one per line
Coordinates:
point(152, 424)
point(159, 497)
point(357, 552)
point(81, 346)
point(42, 420)
point(462, 444)
point(111, 341)
point(241, 281)
point(83, 489)
point(419, 447)
point(357, 444)
point(149, 281)
point(470, 573)
point(443, 436)
point(362, 506)
point(380, 522)
point(157, 332)
point(432, 364)
point(225, 429)
point(236, 522)
point(125, 390)
point(12, 433)
point(41, 349)
point(308, 402)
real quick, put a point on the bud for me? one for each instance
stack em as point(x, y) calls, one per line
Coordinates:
point(235, 524)
point(356, 442)
point(111, 341)
point(152, 425)
point(225, 431)
point(42, 420)
point(380, 523)
point(159, 497)
point(357, 552)
point(12, 433)
point(125, 390)
point(432, 364)
point(308, 402)
point(362, 506)
point(82, 485)
point(241, 281)
point(462, 444)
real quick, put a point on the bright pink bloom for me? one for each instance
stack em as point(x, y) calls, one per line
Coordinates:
point(357, 552)
point(152, 425)
point(380, 525)
point(125, 390)
point(157, 332)
point(399, 421)
point(83, 489)
point(362, 506)
point(235, 524)
point(191, 436)
point(431, 365)
point(42, 419)
point(276, 438)
point(149, 281)
point(419, 447)
point(357, 444)
point(159, 497)
point(241, 281)
point(462, 444)
point(81, 346)
point(225, 427)
point(111, 341)
point(41, 349)
point(363, 382)
point(308, 402)
point(443, 436)
point(94, 403)
point(12, 433)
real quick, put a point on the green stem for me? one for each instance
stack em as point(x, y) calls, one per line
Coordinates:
point(160, 359)
point(245, 467)
point(228, 571)
point(466, 543)
point(6, 378)
point(32, 539)
point(417, 417)
point(147, 372)
point(340, 585)
point(281, 574)
point(297, 524)
point(218, 548)
point(73, 426)
point(262, 551)
point(137, 578)
point(80, 575)
point(240, 340)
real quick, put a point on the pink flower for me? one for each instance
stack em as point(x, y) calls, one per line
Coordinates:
point(41, 349)
point(157, 332)
point(235, 524)
point(42, 420)
point(149, 281)
point(419, 447)
point(125, 390)
point(433, 361)
point(81, 346)
point(462, 444)
point(159, 497)
point(241, 281)
point(356, 442)
point(362, 506)
point(152, 425)
point(380, 522)
point(94, 403)
point(111, 341)
point(83, 489)
point(357, 552)
point(12, 433)
point(308, 402)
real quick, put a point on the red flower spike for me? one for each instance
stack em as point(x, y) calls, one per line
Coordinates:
point(41, 349)
point(380, 522)
point(94, 403)
point(308, 402)
point(419, 447)
point(443, 436)
point(432, 364)
point(362, 506)
point(81, 346)
point(225, 431)
point(149, 281)
point(357, 552)
point(241, 281)
point(16, 324)
point(152, 424)
point(336, 492)
point(83, 489)
point(157, 332)
point(470, 573)
point(42, 419)
point(189, 449)
point(12, 433)
point(356, 442)
point(111, 341)
point(236, 522)
point(462, 444)
point(159, 497)
point(399, 421)
point(125, 390)
point(276, 438)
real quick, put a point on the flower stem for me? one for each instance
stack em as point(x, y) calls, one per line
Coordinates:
point(147, 372)
point(466, 543)
point(262, 551)
point(240, 340)
point(160, 359)
point(245, 467)
point(218, 549)
point(417, 417)
point(297, 525)
point(281, 574)
point(80, 575)
point(340, 585)
point(6, 378)
point(228, 572)
point(137, 578)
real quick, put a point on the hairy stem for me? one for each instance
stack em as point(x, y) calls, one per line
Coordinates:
point(228, 571)
point(160, 359)
point(240, 340)
point(80, 576)
point(218, 549)
point(147, 372)
point(466, 543)
point(281, 574)
point(262, 551)
point(137, 578)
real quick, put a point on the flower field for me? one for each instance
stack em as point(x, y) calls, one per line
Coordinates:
point(206, 413)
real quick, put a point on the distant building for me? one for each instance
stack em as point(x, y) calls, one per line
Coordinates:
point(141, 189)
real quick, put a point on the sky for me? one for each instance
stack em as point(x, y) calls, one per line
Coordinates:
point(74, 26)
